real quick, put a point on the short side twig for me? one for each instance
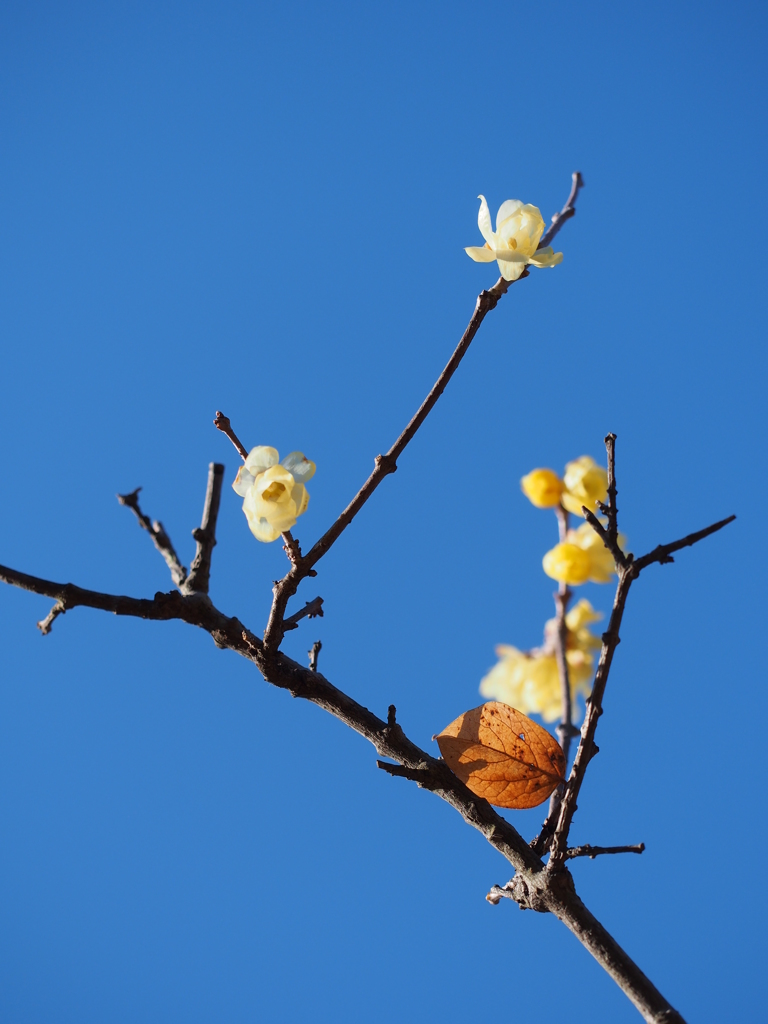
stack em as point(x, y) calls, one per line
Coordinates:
point(221, 422)
point(663, 552)
point(598, 851)
point(568, 211)
point(160, 538)
point(314, 653)
point(44, 625)
point(205, 535)
point(312, 610)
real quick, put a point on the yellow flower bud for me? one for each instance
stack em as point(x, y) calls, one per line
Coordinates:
point(585, 483)
point(567, 563)
point(542, 487)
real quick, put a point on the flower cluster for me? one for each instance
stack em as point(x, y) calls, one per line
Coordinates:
point(273, 491)
point(530, 682)
point(581, 557)
point(514, 243)
point(584, 483)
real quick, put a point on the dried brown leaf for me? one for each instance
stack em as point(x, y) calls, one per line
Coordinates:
point(503, 756)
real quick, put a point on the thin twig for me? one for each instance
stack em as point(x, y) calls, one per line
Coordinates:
point(313, 653)
point(562, 522)
point(160, 538)
point(205, 535)
point(662, 554)
point(587, 747)
point(598, 851)
point(45, 625)
point(612, 544)
point(386, 464)
point(565, 729)
point(609, 534)
point(311, 610)
point(568, 211)
point(221, 422)
point(611, 510)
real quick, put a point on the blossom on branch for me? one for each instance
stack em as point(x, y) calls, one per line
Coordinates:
point(513, 244)
point(583, 483)
point(530, 681)
point(273, 491)
point(582, 556)
point(543, 488)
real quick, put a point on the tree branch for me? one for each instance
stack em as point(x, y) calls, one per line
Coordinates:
point(314, 653)
point(221, 422)
point(597, 851)
point(662, 553)
point(200, 572)
point(160, 539)
point(568, 211)
point(587, 749)
point(533, 887)
point(312, 609)
point(386, 464)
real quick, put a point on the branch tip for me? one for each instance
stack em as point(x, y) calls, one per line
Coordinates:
point(222, 423)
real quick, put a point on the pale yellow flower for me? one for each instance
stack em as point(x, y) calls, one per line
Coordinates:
point(513, 244)
point(585, 483)
point(580, 557)
point(567, 563)
point(542, 487)
point(274, 493)
point(531, 682)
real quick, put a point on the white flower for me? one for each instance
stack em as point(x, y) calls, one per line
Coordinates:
point(513, 244)
point(274, 493)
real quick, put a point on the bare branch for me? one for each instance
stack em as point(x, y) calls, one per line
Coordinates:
point(291, 547)
point(221, 422)
point(611, 543)
point(568, 211)
point(386, 464)
point(597, 851)
point(627, 573)
point(534, 887)
point(46, 624)
point(160, 538)
point(663, 552)
point(313, 653)
point(311, 610)
point(200, 572)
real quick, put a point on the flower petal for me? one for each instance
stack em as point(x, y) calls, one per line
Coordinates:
point(511, 271)
point(484, 221)
point(301, 498)
point(510, 256)
point(546, 257)
point(533, 226)
point(261, 530)
point(480, 254)
point(242, 482)
point(261, 458)
point(299, 466)
point(507, 209)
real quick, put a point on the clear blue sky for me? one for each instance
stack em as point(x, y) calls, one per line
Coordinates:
point(262, 208)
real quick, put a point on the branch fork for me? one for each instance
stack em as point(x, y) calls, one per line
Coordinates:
point(535, 886)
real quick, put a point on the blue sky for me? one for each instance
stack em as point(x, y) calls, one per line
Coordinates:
point(262, 209)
